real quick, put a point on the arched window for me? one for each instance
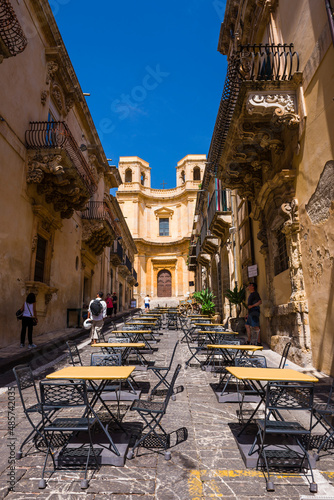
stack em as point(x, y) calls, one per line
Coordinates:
point(197, 174)
point(128, 175)
point(183, 176)
point(142, 179)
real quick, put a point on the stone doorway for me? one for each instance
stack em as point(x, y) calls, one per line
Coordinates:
point(164, 288)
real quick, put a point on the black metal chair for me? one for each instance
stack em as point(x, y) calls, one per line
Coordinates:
point(161, 372)
point(74, 353)
point(25, 380)
point(323, 413)
point(284, 453)
point(284, 355)
point(67, 396)
point(152, 413)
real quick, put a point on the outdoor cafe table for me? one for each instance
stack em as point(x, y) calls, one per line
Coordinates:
point(91, 374)
point(212, 336)
point(229, 351)
point(135, 336)
point(127, 348)
point(257, 375)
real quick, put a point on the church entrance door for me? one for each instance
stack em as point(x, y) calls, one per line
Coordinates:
point(164, 283)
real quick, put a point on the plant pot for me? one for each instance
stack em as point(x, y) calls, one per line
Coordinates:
point(238, 325)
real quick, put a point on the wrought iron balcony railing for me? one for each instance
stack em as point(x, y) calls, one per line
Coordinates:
point(134, 273)
point(97, 210)
point(11, 34)
point(267, 62)
point(57, 135)
point(117, 249)
point(204, 231)
point(198, 247)
point(219, 203)
point(128, 263)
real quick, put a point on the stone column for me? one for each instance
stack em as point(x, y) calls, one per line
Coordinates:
point(298, 303)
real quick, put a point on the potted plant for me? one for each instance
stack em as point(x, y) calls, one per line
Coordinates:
point(237, 297)
point(205, 298)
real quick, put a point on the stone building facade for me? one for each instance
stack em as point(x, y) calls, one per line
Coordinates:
point(272, 149)
point(59, 221)
point(160, 221)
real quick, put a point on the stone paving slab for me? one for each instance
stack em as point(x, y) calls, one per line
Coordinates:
point(207, 465)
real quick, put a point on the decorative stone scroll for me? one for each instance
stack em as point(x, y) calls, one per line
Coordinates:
point(282, 107)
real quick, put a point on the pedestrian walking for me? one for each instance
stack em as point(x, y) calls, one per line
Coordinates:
point(97, 310)
point(114, 301)
point(253, 318)
point(110, 305)
point(147, 302)
point(29, 320)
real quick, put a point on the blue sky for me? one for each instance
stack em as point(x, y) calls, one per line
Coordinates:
point(154, 75)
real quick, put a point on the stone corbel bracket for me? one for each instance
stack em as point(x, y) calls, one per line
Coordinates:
point(281, 106)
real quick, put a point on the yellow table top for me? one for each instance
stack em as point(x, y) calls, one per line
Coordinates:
point(92, 373)
point(218, 333)
point(269, 374)
point(148, 322)
point(236, 347)
point(206, 324)
point(136, 345)
point(132, 331)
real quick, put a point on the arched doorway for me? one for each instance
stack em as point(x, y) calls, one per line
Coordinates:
point(164, 288)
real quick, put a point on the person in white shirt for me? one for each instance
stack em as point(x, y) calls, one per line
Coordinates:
point(147, 302)
point(97, 316)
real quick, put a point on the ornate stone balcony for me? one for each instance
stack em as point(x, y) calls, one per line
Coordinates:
point(98, 227)
point(209, 242)
point(204, 259)
point(116, 253)
point(259, 123)
point(58, 168)
point(12, 38)
point(219, 215)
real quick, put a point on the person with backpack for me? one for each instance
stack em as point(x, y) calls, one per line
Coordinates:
point(97, 310)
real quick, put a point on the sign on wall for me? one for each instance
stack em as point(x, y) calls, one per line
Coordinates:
point(252, 271)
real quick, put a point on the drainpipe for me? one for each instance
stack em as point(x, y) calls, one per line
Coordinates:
point(330, 18)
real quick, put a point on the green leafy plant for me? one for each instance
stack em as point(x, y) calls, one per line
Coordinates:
point(205, 298)
point(237, 297)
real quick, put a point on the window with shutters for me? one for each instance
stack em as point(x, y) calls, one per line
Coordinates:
point(163, 227)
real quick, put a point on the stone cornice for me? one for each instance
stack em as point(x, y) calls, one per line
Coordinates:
point(142, 241)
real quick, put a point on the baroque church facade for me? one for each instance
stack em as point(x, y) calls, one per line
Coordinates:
point(160, 221)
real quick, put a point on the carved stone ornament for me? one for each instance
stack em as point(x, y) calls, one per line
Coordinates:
point(282, 107)
point(51, 68)
point(291, 210)
point(44, 95)
point(69, 103)
point(49, 164)
point(57, 96)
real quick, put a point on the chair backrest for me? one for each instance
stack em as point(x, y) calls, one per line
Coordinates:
point(289, 396)
point(173, 354)
point(113, 359)
point(63, 394)
point(113, 340)
point(73, 352)
point(171, 387)
point(25, 379)
point(254, 361)
point(284, 355)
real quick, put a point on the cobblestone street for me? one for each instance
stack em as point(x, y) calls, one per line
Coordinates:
point(207, 465)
